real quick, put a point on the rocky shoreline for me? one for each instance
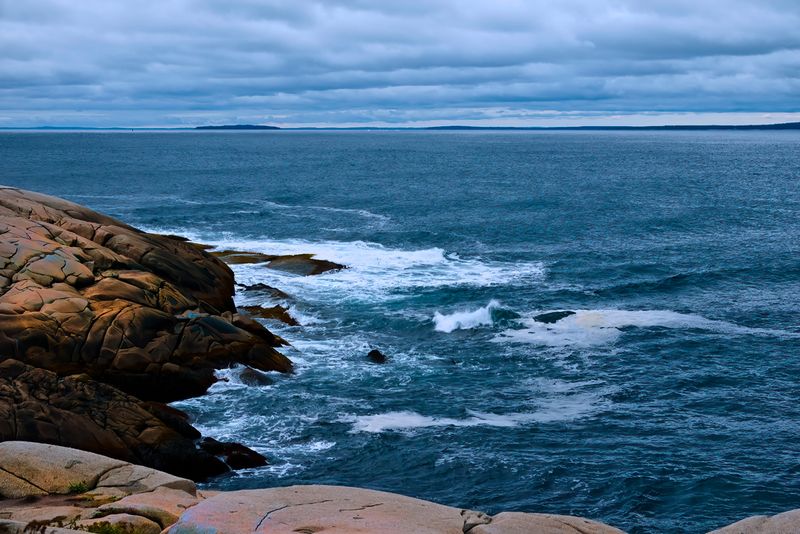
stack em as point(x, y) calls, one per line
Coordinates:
point(101, 325)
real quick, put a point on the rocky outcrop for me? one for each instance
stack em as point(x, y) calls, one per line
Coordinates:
point(73, 490)
point(153, 315)
point(299, 264)
point(95, 313)
point(75, 411)
point(275, 313)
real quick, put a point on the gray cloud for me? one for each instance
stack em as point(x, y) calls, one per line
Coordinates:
point(173, 62)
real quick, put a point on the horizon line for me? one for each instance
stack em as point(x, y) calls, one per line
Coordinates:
point(450, 127)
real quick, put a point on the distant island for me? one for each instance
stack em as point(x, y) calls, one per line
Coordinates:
point(780, 126)
point(237, 127)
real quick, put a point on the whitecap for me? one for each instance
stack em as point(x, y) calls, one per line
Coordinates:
point(465, 320)
point(598, 327)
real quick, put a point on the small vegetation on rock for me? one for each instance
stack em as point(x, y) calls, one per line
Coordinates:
point(78, 487)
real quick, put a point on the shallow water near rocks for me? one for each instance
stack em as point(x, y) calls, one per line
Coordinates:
point(667, 402)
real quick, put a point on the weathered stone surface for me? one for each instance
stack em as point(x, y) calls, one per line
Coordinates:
point(522, 523)
point(52, 469)
point(163, 505)
point(318, 509)
point(19, 527)
point(783, 523)
point(153, 315)
point(122, 523)
point(38, 406)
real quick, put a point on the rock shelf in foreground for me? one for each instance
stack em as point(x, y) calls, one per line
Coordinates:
point(57, 489)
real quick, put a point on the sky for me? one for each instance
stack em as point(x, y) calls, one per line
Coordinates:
point(165, 63)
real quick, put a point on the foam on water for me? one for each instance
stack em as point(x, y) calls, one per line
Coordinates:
point(464, 320)
point(554, 409)
point(596, 327)
point(374, 272)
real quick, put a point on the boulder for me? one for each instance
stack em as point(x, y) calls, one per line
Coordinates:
point(153, 315)
point(376, 356)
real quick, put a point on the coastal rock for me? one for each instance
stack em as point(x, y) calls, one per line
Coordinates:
point(318, 509)
point(269, 290)
point(761, 524)
point(153, 315)
point(523, 523)
point(235, 455)
point(120, 523)
point(277, 313)
point(36, 405)
point(376, 356)
point(152, 501)
point(299, 264)
point(251, 377)
point(553, 317)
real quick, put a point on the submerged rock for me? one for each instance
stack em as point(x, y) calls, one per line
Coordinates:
point(376, 356)
point(153, 315)
point(553, 317)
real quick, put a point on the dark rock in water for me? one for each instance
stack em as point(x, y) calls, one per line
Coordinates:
point(75, 411)
point(553, 317)
point(233, 454)
point(152, 315)
point(278, 313)
point(303, 264)
point(251, 377)
point(238, 257)
point(271, 291)
point(376, 356)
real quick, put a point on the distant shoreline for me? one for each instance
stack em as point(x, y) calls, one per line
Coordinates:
point(455, 127)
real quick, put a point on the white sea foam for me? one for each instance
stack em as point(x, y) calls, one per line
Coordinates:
point(565, 408)
point(464, 320)
point(597, 327)
point(374, 271)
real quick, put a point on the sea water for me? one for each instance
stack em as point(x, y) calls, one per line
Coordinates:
point(668, 401)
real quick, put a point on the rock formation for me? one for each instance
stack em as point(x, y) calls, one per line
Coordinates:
point(54, 489)
point(83, 293)
point(94, 313)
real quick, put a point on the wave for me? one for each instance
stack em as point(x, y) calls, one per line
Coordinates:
point(465, 320)
point(552, 410)
point(597, 327)
point(375, 272)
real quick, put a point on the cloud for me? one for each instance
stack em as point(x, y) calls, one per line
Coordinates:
point(172, 62)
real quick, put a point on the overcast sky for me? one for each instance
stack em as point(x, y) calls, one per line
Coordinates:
point(403, 62)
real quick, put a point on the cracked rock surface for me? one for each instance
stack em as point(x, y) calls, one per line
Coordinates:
point(96, 315)
point(153, 315)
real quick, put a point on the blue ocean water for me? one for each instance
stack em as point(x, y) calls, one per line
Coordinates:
point(669, 402)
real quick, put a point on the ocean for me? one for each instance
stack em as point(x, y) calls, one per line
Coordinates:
point(669, 401)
